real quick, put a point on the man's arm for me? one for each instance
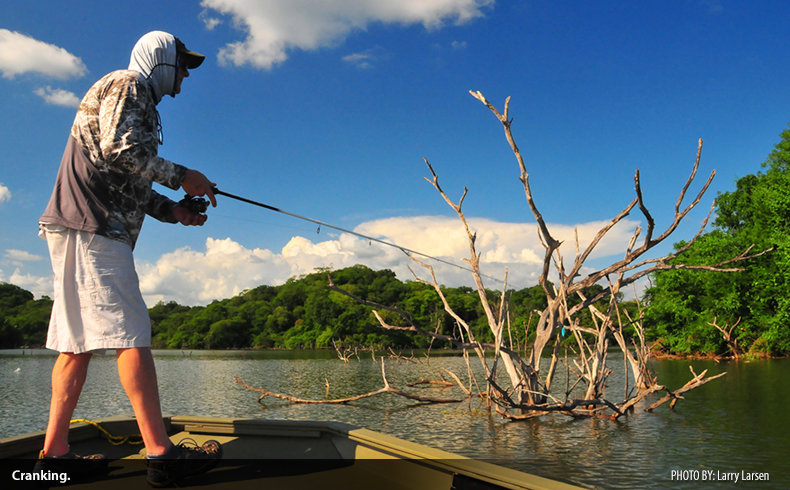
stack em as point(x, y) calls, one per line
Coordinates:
point(168, 211)
point(187, 217)
point(129, 140)
point(197, 184)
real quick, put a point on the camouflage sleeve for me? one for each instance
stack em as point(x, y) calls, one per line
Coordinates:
point(129, 136)
point(161, 208)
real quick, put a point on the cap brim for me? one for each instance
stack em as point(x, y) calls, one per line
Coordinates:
point(193, 59)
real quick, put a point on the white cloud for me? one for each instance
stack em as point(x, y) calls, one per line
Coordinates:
point(362, 60)
point(38, 285)
point(23, 54)
point(512, 246)
point(366, 59)
point(5, 193)
point(58, 96)
point(226, 268)
point(22, 255)
point(223, 270)
point(209, 21)
point(273, 28)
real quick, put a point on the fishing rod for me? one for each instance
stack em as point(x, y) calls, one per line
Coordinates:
point(199, 205)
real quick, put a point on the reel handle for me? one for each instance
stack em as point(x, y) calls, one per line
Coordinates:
point(195, 204)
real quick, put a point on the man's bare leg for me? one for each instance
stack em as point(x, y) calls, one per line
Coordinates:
point(138, 377)
point(68, 377)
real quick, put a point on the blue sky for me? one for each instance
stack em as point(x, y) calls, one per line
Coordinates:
point(326, 109)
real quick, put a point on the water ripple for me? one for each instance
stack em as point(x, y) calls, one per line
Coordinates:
point(732, 424)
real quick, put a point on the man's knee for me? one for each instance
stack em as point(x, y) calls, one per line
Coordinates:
point(78, 358)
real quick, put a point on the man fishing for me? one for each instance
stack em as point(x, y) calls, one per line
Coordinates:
point(102, 193)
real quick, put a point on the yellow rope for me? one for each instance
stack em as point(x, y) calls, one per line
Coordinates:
point(114, 440)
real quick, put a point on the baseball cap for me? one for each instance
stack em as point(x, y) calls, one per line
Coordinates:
point(192, 58)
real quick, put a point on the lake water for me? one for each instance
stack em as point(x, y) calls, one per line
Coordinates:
point(734, 424)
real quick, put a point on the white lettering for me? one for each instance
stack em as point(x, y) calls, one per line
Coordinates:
point(755, 476)
point(727, 476)
point(717, 475)
point(18, 475)
point(685, 475)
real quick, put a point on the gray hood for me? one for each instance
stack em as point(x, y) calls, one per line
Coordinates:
point(154, 56)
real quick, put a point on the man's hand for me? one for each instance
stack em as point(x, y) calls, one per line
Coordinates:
point(196, 184)
point(187, 217)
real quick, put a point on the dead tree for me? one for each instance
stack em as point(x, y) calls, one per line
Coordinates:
point(732, 342)
point(344, 353)
point(673, 396)
point(529, 384)
point(529, 389)
point(387, 388)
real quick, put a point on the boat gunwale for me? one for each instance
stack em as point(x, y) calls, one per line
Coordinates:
point(387, 446)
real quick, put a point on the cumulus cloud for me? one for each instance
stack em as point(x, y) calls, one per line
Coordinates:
point(5, 193)
point(38, 285)
point(19, 260)
point(21, 255)
point(23, 54)
point(512, 246)
point(58, 97)
point(209, 21)
point(223, 270)
point(226, 267)
point(276, 27)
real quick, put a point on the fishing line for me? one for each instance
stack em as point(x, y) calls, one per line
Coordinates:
point(405, 250)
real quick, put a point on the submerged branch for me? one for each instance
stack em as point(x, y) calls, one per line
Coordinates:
point(337, 401)
point(571, 408)
point(697, 381)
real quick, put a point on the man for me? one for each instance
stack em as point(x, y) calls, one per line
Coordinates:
point(102, 193)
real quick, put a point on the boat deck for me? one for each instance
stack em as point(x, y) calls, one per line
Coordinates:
point(276, 454)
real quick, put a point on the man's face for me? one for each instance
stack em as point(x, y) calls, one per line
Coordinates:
point(181, 74)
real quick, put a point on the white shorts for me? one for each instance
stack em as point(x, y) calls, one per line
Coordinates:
point(97, 302)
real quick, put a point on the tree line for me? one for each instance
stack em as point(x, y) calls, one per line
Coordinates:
point(680, 306)
point(302, 313)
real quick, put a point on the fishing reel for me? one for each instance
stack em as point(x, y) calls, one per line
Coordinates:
point(195, 204)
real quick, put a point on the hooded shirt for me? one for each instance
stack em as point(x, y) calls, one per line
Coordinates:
point(104, 183)
point(155, 57)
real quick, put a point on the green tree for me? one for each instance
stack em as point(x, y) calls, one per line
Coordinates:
point(11, 297)
point(23, 320)
point(229, 333)
point(682, 303)
point(302, 313)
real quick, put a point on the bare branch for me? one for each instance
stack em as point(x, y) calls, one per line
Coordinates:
point(695, 382)
point(552, 244)
point(732, 342)
point(339, 401)
point(530, 389)
point(650, 221)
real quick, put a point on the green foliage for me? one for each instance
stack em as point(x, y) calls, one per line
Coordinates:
point(302, 313)
point(682, 303)
point(305, 313)
point(23, 320)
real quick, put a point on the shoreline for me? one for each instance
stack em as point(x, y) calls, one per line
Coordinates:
point(654, 354)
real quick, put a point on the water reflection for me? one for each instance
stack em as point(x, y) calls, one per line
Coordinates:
point(731, 424)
